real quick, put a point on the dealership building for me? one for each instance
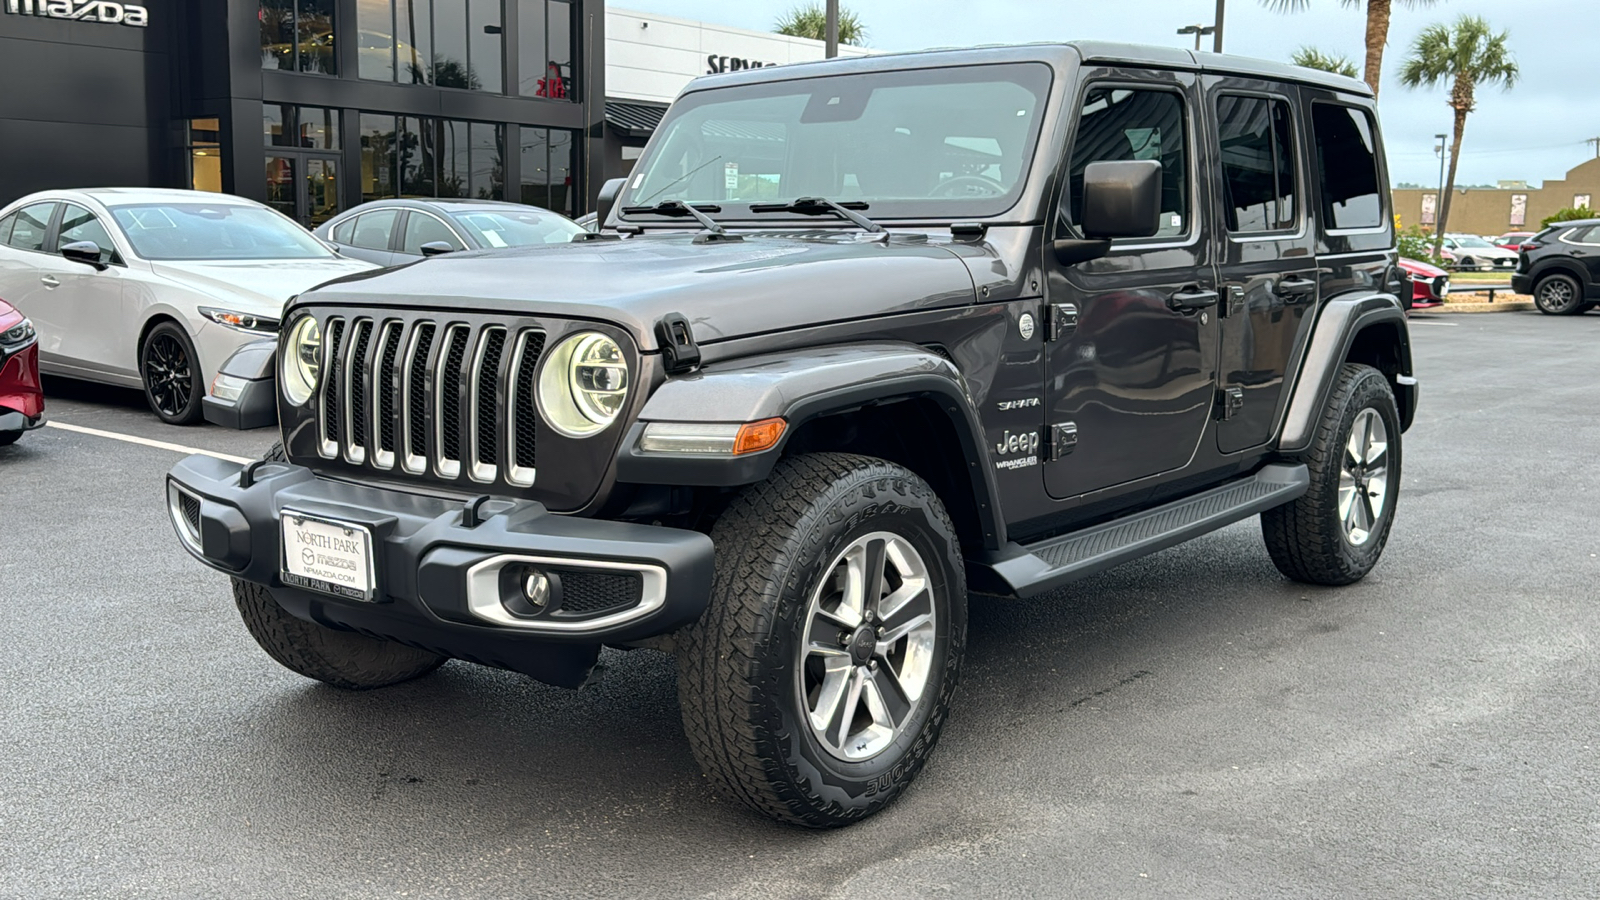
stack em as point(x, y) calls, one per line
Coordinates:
point(314, 106)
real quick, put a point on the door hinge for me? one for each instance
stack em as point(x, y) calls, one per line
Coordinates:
point(1229, 402)
point(1061, 320)
point(1063, 439)
point(1235, 301)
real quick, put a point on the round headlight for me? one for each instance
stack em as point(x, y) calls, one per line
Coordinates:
point(583, 384)
point(302, 361)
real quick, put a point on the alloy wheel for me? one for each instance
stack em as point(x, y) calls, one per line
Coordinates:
point(1364, 477)
point(1555, 295)
point(167, 375)
point(867, 656)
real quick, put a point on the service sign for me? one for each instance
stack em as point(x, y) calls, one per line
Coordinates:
point(105, 12)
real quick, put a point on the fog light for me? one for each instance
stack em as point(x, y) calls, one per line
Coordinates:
point(531, 592)
point(536, 588)
point(227, 387)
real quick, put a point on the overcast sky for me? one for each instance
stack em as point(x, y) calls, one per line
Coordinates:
point(1533, 132)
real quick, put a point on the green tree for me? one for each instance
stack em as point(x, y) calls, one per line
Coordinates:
point(811, 21)
point(1377, 28)
point(1464, 55)
point(1570, 214)
point(1312, 58)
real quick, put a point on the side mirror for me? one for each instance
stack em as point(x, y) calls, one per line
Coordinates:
point(1121, 199)
point(436, 248)
point(609, 192)
point(86, 252)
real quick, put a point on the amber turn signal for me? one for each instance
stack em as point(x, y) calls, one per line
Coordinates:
point(757, 436)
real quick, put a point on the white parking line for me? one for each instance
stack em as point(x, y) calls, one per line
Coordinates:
point(144, 442)
point(1432, 322)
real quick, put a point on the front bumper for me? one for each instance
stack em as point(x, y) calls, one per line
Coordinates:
point(438, 579)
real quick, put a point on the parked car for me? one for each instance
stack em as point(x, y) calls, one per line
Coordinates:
point(21, 400)
point(1512, 240)
point(1474, 253)
point(392, 232)
point(982, 320)
point(1560, 267)
point(1429, 283)
point(154, 288)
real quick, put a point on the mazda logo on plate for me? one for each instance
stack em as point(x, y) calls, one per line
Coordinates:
point(308, 556)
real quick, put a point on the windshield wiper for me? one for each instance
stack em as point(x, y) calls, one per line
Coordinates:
point(821, 206)
point(714, 233)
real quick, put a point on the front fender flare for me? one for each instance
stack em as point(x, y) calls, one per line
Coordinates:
point(801, 385)
point(1338, 325)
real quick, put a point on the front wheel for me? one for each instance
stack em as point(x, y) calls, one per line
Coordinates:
point(1558, 295)
point(1336, 531)
point(816, 683)
point(170, 370)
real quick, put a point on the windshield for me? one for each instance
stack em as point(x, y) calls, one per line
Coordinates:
point(516, 228)
point(1473, 242)
point(919, 143)
point(179, 231)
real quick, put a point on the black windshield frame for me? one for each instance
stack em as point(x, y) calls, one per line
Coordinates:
point(1033, 77)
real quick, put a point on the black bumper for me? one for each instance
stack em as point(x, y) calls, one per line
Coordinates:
point(434, 575)
point(1521, 283)
point(257, 407)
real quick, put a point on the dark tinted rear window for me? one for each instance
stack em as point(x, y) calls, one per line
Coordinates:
point(1347, 164)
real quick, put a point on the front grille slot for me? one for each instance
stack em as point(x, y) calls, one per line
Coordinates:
point(416, 399)
point(485, 396)
point(387, 391)
point(447, 452)
point(523, 409)
point(355, 445)
point(332, 387)
point(191, 510)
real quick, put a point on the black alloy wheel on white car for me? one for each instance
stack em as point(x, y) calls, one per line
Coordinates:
point(170, 370)
point(816, 682)
point(1558, 294)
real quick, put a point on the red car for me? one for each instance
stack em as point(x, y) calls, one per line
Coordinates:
point(21, 400)
point(1429, 284)
point(1513, 240)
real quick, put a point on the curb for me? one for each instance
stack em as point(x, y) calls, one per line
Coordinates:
point(1499, 306)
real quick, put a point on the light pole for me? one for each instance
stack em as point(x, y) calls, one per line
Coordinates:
point(1216, 36)
point(833, 29)
point(1438, 204)
point(1196, 30)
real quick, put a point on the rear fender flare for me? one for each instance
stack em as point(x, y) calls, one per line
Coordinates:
point(1339, 324)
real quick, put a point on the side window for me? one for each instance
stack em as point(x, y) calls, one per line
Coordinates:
point(5, 227)
point(1258, 172)
point(27, 233)
point(344, 231)
point(1347, 163)
point(1133, 123)
point(371, 231)
point(79, 224)
point(422, 228)
point(1590, 235)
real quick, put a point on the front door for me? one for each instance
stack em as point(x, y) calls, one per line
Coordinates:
point(303, 186)
point(1132, 360)
point(1266, 266)
point(102, 335)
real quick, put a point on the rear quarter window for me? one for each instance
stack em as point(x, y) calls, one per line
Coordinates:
point(1347, 167)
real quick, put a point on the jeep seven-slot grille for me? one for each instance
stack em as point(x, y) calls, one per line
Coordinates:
point(426, 397)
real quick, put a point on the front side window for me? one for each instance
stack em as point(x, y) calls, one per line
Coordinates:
point(1257, 163)
point(1347, 163)
point(1117, 124)
point(79, 224)
point(28, 226)
point(422, 228)
point(200, 231)
point(297, 36)
point(923, 142)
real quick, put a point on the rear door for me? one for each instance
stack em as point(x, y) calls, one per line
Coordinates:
point(368, 236)
point(1266, 267)
point(30, 276)
point(1586, 250)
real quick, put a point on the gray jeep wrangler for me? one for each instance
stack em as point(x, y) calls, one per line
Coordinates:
point(859, 342)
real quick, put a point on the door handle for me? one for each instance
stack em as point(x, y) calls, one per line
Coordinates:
point(50, 281)
point(1295, 286)
point(1192, 297)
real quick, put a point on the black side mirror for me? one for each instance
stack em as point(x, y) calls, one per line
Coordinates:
point(1121, 199)
point(86, 252)
point(609, 192)
point(436, 248)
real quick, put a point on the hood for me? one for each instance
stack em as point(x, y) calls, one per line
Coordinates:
point(764, 283)
point(260, 287)
point(1418, 267)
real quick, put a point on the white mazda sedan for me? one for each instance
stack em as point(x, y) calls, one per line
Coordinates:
point(154, 288)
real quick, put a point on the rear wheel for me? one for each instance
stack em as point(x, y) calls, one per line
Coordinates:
point(1558, 295)
point(173, 383)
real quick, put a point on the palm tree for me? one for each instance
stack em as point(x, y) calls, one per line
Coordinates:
point(1312, 58)
point(811, 21)
point(1466, 55)
point(1377, 27)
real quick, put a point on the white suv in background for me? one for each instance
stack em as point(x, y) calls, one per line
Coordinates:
point(154, 288)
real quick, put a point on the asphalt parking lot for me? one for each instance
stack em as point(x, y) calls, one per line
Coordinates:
point(1191, 725)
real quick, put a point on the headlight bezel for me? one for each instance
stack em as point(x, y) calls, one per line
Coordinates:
point(248, 323)
point(299, 379)
point(565, 404)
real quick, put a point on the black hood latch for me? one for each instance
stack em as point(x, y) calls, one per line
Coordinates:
point(679, 352)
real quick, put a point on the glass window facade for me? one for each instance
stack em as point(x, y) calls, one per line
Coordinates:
point(307, 127)
point(547, 169)
point(544, 50)
point(407, 156)
point(297, 35)
point(205, 155)
point(445, 43)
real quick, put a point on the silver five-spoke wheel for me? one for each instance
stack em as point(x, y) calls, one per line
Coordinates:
point(1364, 477)
point(869, 646)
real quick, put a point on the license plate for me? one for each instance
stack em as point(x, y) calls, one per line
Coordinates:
point(327, 556)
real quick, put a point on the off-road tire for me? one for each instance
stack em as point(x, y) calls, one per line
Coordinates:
point(1306, 537)
point(741, 706)
point(1558, 294)
point(343, 659)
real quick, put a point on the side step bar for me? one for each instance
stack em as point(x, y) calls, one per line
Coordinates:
point(1033, 569)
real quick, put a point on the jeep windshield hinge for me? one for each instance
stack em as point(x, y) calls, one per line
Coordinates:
point(679, 352)
point(1061, 320)
point(1063, 440)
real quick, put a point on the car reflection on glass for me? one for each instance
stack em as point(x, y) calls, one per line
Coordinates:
point(394, 232)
